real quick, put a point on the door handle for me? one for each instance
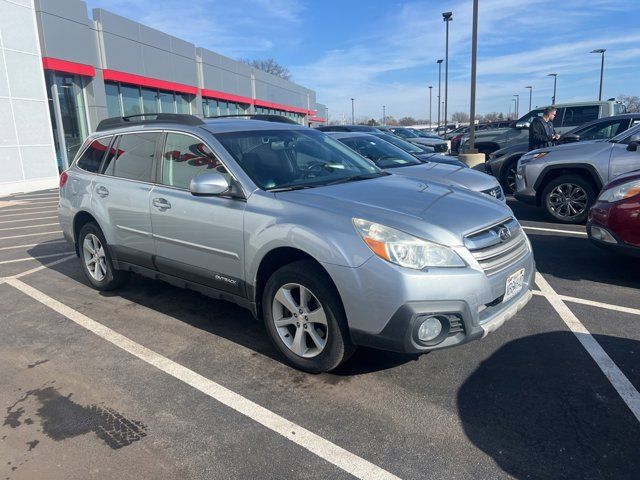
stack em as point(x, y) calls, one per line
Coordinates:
point(161, 204)
point(102, 191)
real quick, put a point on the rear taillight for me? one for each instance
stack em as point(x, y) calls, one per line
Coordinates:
point(63, 179)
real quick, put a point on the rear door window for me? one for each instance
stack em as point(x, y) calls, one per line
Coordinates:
point(92, 157)
point(575, 116)
point(133, 157)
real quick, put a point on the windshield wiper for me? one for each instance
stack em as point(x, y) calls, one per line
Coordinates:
point(355, 178)
point(289, 188)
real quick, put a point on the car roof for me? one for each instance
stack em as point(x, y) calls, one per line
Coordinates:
point(350, 134)
point(622, 116)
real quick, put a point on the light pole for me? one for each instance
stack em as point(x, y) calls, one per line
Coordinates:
point(353, 113)
point(517, 105)
point(474, 52)
point(430, 122)
point(555, 78)
point(600, 50)
point(530, 95)
point(384, 115)
point(439, 62)
point(447, 17)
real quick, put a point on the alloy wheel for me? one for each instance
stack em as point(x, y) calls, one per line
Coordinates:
point(568, 200)
point(510, 179)
point(94, 257)
point(300, 320)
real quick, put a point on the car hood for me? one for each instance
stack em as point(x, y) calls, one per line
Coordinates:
point(589, 145)
point(517, 148)
point(440, 158)
point(426, 141)
point(448, 175)
point(429, 210)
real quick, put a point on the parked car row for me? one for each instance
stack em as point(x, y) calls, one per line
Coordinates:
point(329, 249)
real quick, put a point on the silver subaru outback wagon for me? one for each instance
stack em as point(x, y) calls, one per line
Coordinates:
point(328, 249)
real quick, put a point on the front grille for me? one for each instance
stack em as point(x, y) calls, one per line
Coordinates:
point(497, 247)
point(495, 192)
point(440, 147)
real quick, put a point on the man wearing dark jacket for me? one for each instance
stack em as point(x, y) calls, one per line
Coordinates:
point(541, 133)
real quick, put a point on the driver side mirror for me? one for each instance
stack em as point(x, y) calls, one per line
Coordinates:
point(523, 125)
point(634, 141)
point(571, 137)
point(209, 184)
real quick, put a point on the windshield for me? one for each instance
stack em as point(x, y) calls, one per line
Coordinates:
point(382, 153)
point(276, 159)
point(398, 142)
point(404, 132)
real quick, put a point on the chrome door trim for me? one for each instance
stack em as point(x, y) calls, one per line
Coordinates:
point(224, 253)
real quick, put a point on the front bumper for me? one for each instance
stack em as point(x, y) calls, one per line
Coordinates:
point(384, 302)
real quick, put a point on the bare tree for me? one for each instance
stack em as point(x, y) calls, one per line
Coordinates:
point(405, 121)
point(269, 65)
point(493, 116)
point(460, 117)
point(632, 102)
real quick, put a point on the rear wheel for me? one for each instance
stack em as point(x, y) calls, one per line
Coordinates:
point(96, 259)
point(305, 319)
point(568, 199)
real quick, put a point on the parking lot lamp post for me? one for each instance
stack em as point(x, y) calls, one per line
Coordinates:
point(439, 62)
point(384, 115)
point(474, 53)
point(353, 113)
point(555, 78)
point(601, 51)
point(447, 17)
point(517, 105)
point(530, 95)
point(430, 122)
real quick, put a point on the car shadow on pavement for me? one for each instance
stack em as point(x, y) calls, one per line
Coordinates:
point(574, 258)
point(218, 317)
point(541, 408)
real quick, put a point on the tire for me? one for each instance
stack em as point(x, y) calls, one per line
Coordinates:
point(96, 261)
point(313, 346)
point(508, 179)
point(568, 198)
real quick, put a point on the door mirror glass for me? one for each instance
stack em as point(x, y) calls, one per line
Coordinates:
point(523, 125)
point(634, 141)
point(209, 184)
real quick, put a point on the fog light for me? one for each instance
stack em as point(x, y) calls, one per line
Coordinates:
point(429, 329)
point(602, 235)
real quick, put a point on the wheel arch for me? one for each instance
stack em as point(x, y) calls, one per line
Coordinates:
point(552, 172)
point(80, 220)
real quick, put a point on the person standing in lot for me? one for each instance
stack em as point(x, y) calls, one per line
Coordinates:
point(541, 132)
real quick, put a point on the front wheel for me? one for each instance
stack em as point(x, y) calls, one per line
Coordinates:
point(568, 199)
point(509, 178)
point(305, 318)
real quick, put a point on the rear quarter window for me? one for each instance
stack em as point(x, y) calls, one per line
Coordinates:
point(91, 158)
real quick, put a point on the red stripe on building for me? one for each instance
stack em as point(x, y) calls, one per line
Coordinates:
point(132, 79)
point(226, 96)
point(66, 66)
point(317, 119)
point(279, 106)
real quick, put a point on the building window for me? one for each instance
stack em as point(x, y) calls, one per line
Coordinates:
point(131, 100)
point(149, 101)
point(166, 102)
point(114, 109)
point(182, 103)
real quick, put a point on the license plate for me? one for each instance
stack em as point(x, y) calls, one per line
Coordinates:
point(515, 281)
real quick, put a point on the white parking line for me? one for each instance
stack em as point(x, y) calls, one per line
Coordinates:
point(34, 195)
point(31, 234)
point(41, 267)
point(554, 230)
point(584, 301)
point(29, 226)
point(623, 386)
point(28, 219)
point(33, 245)
point(30, 202)
point(27, 259)
point(323, 448)
point(26, 209)
point(39, 212)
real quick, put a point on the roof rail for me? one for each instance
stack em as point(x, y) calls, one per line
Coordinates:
point(258, 116)
point(119, 122)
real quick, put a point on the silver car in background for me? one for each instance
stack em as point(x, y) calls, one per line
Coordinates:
point(326, 248)
point(565, 180)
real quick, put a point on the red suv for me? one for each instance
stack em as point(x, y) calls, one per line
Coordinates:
point(614, 220)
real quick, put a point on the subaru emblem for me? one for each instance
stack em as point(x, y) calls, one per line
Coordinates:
point(504, 233)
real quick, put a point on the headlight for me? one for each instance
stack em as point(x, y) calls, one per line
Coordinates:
point(530, 157)
point(620, 192)
point(404, 249)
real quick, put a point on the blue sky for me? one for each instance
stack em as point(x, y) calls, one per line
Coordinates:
point(384, 52)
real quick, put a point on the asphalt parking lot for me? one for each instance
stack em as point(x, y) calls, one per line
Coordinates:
point(156, 382)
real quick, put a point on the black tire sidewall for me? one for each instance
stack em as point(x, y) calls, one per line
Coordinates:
point(511, 165)
point(577, 180)
point(113, 278)
point(338, 347)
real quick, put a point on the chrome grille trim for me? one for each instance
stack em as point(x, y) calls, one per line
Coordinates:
point(493, 253)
